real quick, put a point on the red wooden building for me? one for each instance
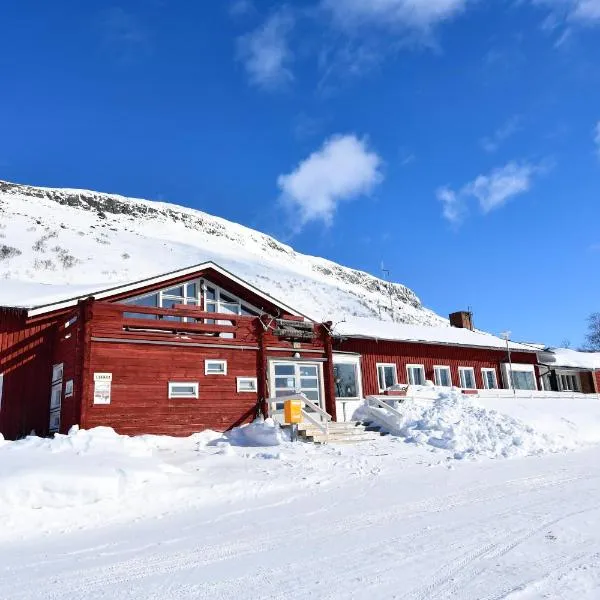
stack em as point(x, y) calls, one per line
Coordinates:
point(201, 348)
point(371, 356)
point(186, 351)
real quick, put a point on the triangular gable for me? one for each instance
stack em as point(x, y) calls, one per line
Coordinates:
point(217, 274)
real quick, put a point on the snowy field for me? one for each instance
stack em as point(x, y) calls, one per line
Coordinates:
point(508, 507)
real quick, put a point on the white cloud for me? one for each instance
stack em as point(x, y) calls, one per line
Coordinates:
point(495, 189)
point(265, 51)
point(505, 131)
point(492, 191)
point(597, 138)
point(341, 170)
point(582, 11)
point(454, 205)
point(415, 14)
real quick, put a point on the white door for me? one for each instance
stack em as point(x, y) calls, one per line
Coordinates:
point(290, 377)
point(56, 398)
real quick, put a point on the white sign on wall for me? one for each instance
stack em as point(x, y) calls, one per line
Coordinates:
point(102, 392)
point(69, 388)
point(102, 388)
point(102, 376)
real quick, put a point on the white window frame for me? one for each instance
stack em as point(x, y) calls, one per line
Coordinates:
point(484, 372)
point(378, 365)
point(241, 380)
point(408, 374)
point(461, 370)
point(193, 396)
point(518, 367)
point(204, 283)
point(351, 360)
point(437, 368)
point(576, 378)
point(210, 361)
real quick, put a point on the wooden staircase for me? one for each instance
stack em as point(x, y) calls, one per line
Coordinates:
point(351, 432)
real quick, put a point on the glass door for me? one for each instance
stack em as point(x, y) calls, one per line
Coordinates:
point(289, 378)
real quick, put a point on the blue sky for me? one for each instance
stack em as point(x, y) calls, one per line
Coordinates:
point(456, 141)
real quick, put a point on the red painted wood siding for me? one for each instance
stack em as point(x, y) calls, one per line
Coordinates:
point(140, 377)
point(25, 355)
point(143, 362)
point(403, 353)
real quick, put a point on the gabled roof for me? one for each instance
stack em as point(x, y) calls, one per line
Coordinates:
point(65, 299)
point(367, 328)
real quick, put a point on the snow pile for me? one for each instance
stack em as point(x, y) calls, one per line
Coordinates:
point(83, 467)
point(259, 433)
point(461, 425)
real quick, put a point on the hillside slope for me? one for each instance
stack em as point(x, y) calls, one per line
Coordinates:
point(78, 237)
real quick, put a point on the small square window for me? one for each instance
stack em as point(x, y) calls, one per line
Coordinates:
point(489, 379)
point(442, 375)
point(416, 374)
point(467, 378)
point(247, 384)
point(386, 375)
point(179, 389)
point(215, 367)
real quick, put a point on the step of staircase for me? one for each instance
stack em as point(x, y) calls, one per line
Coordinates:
point(338, 433)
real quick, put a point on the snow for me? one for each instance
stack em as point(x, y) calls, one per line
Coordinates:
point(469, 427)
point(259, 433)
point(565, 357)
point(382, 330)
point(384, 519)
point(82, 242)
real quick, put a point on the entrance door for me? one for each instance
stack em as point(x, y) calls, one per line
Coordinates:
point(290, 377)
point(56, 398)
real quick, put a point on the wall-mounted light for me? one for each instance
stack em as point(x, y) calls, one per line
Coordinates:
point(296, 354)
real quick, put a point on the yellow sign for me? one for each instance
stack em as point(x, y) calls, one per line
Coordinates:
point(292, 411)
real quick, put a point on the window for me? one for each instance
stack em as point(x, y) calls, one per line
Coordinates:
point(442, 376)
point(386, 375)
point(416, 374)
point(219, 301)
point(467, 378)
point(247, 384)
point(57, 373)
point(215, 367)
point(183, 390)
point(189, 293)
point(569, 382)
point(346, 377)
point(522, 376)
point(523, 380)
point(490, 381)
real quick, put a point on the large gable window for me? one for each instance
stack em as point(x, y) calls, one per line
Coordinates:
point(192, 293)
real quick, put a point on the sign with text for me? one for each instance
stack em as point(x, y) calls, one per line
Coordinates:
point(102, 388)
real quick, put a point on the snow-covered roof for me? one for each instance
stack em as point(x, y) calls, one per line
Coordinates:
point(40, 299)
point(564, 357)
point(386, 330)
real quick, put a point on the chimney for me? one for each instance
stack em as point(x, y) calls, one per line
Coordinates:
point(462, 319)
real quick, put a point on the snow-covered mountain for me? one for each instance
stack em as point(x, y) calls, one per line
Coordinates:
point(79, 237)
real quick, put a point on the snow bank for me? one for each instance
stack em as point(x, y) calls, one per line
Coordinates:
point(463, 426)
point(259, 433)
point(576, 420)
point(83, 467)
